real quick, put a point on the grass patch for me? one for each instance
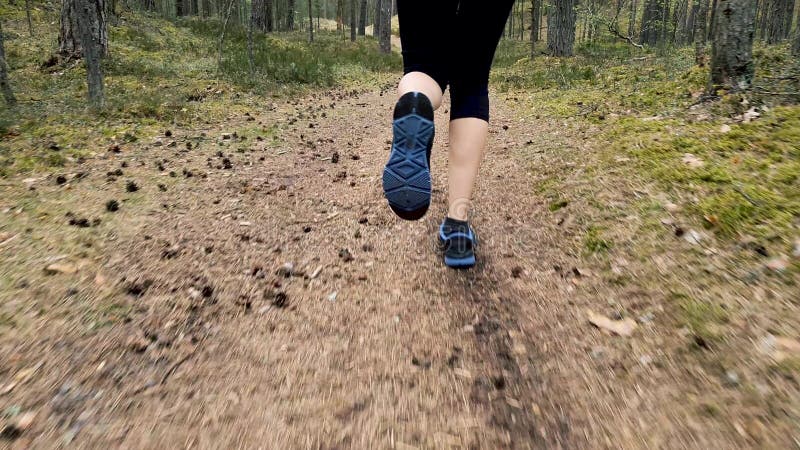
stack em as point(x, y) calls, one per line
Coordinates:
point(594, 242)
point(701, 317)
point(557, 205)
point(161, 73)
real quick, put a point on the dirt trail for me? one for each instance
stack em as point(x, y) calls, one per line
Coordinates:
point(183, 330)
point(407, 353)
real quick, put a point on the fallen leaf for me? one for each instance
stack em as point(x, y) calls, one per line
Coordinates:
point(20, 378)
point(779, 348)
point(25, 420)
point(750, 115)
point(6, 238)
point(65, 268)
point(788, 345)
point(622, 327)
point(725, 128)
point(463, 373)
point(514, 403)
point(315, 273)
point(778, 264)
point(692, 161)
point(693, 237)
point(711, 219)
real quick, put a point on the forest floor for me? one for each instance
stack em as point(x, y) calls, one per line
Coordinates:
point(240, 282)
point(255, 291)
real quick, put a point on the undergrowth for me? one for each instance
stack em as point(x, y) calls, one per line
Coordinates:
point(649, 115)
point(159, 73)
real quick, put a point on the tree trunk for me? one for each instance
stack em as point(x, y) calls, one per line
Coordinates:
point(362, 19)
point(376, 21)
point(700, 26)
point(310, 23)
point(777, 20)
point(561, 27)
point(796, 45)
point(5, 86)
point(251, 59)
point(290, 15)
point(632, 18)
point(69, 39)
point(679, 32)
point(88, 12)
point(796, 42)
point(353, 20)
point(713, 21)
point(260, 15)
point(732, 65)
point(652, 23)
point(386, 26)
point(510, 25)
point(787, 17)
point(536, 15)
point(690, 22)
point(28, 14)
point(339, 14)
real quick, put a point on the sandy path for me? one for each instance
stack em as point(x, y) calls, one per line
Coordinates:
point(408, 352)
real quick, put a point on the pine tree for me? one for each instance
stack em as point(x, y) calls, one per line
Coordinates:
point(5, 86)
point(69, 39)
point(386, 26)
point(362, 19)
point(87, 14)
point(732, 67)
point(353, 21)
point(561, 27)
point(290, 15)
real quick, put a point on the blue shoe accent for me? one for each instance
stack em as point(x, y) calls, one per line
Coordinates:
point(407, 175)
point(459, 247)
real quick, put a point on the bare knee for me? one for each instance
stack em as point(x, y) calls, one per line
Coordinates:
point(421, 82)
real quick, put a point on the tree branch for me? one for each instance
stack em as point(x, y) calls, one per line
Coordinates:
point(614, 30)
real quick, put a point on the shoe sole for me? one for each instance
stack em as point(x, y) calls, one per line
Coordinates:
point(459, 263)
point(407, 177)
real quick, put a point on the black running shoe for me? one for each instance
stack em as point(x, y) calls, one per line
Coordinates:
point(458, 241)
point(407, 175)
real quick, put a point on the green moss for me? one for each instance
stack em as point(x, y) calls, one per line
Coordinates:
point(594, 242)
point(701, 317)
point(748, 178)
point(558, 204)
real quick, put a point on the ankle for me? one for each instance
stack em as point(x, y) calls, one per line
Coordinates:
point(451, 225)
point(459, 209)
